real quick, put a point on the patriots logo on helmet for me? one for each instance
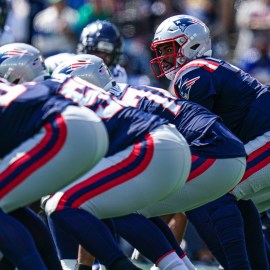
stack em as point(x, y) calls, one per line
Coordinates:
point(17, 52)
point(186, 87)
point(68, 69)
point(5, 55)
point(183, 23)
point(80, 64)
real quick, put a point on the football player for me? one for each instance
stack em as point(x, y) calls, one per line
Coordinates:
point(38, 139)
point(23, 139)
point(118, 142)
point(193, 121)
point(142, 153)
point(21, 62)
point(182, 45)
point(101, 38)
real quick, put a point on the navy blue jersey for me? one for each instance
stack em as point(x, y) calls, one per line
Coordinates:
point(241, 100)
point(202, 129)
point(125, 125)
point(24, 109)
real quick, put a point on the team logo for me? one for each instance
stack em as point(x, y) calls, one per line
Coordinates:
point(11, 53)
point(183, 23)
point(16, 52)
point(80, 64)
point(186, 87)
point(68, 69)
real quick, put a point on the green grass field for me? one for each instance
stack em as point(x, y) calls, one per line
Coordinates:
point(145, 266)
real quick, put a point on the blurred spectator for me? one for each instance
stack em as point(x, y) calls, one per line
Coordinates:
point(6, 34)
point(137, 68)
point(16, 29)
point(53, 28)
point(76, 3)
point(91, 11)
point(218, 16)
point(35, 6)
point(252, 20)
point(137, 20)
point(256, 60)
point(19, 26)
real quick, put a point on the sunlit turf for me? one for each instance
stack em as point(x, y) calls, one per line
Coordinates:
point(146, 266)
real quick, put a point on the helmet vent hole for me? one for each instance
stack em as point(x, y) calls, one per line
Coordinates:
point(171, 29)
point(194, 47)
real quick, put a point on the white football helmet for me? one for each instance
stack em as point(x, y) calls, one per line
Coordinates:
point(88, 67)
point(189, 38)
point(20, 62)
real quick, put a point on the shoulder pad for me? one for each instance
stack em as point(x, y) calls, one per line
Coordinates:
point(208, 65)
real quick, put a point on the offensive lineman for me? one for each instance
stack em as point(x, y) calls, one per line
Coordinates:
point(154, 101)
point(116, 141)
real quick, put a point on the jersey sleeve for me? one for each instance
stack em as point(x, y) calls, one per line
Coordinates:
point(196, 85)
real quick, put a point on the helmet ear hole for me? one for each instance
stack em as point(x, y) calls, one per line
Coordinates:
point(16, 81)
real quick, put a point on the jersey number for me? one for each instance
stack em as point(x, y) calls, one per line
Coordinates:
point(133, 96)
point(91, 96)
point(10, 93)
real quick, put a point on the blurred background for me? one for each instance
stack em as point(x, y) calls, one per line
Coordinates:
point(240, 31)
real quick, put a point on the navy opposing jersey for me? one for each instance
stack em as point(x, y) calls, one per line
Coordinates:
point(201, 128)
point(24, 109)
point(125, 125)
point(241, 100)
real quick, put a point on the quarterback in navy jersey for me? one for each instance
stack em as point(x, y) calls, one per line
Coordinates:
point(241, 100)
point(183, 54)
